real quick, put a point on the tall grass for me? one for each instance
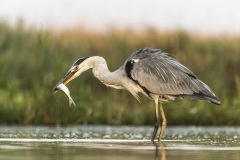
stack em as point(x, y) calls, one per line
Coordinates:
point(33, 61)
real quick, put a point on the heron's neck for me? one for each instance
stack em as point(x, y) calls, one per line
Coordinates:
point(101, 72)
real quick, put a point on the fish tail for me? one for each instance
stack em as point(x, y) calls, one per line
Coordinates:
point(71, 102)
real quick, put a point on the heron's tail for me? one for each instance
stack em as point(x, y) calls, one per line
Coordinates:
point(204, 93)
point(202, 96)
point(201, 91)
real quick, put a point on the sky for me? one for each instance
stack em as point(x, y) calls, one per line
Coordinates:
point(205, 16)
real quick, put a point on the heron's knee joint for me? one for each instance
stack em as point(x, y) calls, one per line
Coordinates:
point(164, 123)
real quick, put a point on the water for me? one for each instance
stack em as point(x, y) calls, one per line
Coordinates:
point(122, 142)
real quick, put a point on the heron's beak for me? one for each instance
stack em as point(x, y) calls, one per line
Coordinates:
point(70, 75)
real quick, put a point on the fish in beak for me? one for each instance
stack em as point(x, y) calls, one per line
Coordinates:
point(65, 90)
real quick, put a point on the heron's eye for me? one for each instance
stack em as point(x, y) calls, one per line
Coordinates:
point(75, 69)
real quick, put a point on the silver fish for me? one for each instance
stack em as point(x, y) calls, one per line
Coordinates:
point(65, 90)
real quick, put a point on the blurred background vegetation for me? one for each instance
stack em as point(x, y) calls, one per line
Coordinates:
point(33, 61)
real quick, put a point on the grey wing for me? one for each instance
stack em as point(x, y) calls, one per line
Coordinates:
point(163, 75)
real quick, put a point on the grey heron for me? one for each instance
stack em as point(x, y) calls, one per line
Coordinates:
point(150, 72)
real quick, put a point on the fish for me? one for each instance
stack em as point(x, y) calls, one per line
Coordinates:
point(65, 90)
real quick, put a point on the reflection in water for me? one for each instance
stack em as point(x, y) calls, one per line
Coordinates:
point(160, 146)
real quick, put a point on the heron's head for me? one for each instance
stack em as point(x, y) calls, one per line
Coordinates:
point(77, 68)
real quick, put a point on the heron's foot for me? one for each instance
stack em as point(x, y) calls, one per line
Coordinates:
point(156, 126)
point(164, 125)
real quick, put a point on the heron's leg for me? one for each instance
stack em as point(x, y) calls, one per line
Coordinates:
point(164, 122)
point(157, 124)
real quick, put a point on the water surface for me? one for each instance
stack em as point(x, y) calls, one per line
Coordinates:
point(118, 142)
